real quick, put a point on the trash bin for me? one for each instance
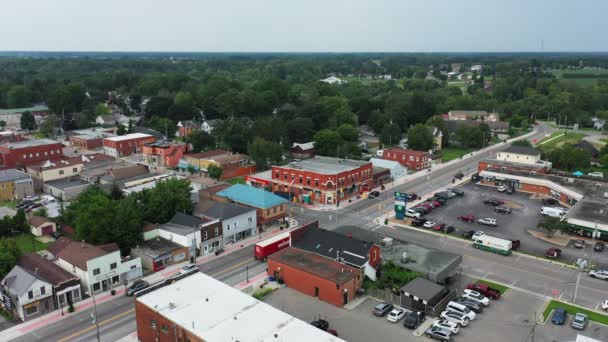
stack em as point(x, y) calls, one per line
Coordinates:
point(112, 292)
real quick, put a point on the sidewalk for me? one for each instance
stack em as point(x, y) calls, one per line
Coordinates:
point(56, 316)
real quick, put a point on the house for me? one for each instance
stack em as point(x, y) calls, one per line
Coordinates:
point(26, 294)
point(304, 150)
point(368, 143)
point(12, 117)
point(232, 164)
point(15, 184)
point(97, 269)
point(437, 139)
point(126, 145)
point(598, 123)
point(397, 170)
point(315, 275)
point(163, 154)
point(21, 153)
point(158, 253)
point(184, 230)
point(41, 225)
point(90, 138)
point(495, 126)
point(197, 307)
point(270, 208)
point(416, 160)
point(187, 127)
point(209, 125)
point(333, 80)
point(238, 221)
point(66, 287)
point(106, 120)
point(467, 114)
point(66, 188)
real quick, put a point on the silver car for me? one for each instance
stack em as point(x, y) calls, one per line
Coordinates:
point(579, 321)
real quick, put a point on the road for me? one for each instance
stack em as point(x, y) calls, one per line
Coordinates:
point(117, 316)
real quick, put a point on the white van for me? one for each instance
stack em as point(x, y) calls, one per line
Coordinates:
point(412, 213)
point(553, 212)
point(453, 306)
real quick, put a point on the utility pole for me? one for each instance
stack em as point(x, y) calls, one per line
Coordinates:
point(96, 319)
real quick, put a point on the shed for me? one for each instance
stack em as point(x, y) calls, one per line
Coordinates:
point(423, 295)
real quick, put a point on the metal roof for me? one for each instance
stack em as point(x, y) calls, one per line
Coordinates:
point(251, 196)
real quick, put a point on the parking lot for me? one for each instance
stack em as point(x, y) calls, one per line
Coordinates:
point(552, 332)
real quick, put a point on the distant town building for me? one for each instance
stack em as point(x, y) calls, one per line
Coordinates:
point(163, 154)
point(187, 127)
point(270, 207)
point(238, 221)
point(12, 117)
point(91, 138)
point(27, 152)
point(304, 150)
point(126, 145)
point(209, 125)
point(416, 160)
point(333, 80)
point(15, 184)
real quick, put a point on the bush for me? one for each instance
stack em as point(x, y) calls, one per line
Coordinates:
point(71, 308)
point(7, 315)
point(394, 277)
point(262, 293)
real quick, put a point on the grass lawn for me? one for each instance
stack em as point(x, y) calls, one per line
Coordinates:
point(500, 288)
point(10, 204)
point(572, 310)
point(452, 153)
point(571, 138)
point(237, 180)
point(24, 243)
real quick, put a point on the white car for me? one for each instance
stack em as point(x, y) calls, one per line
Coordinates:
point(188, 268)
point(599, 274)
point(502, 188)
point(455, 317)
point(429, 224)
point(487, 221)
point(395, 315)
point(412, 213)
point(478, 234)
point(605, 305)
point(447, 325)
point(476, 296)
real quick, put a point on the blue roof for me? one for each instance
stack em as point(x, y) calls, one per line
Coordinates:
point(251, 196)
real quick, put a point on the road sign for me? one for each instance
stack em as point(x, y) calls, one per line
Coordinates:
point(400, 203)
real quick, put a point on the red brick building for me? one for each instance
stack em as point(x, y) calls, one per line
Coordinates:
point(19, 154)
point(187, 127)
point(322, 179)
point(315, 275)
point(90, 139)
point(126, 145)
point(163, 153)
point(411, 159)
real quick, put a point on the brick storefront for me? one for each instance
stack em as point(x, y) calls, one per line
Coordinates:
point(19, 154)
point(411, 159)
point(126, 145)
point(152, 326)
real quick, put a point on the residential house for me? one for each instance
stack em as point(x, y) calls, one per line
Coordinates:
point(304, 150)
point(27, 152)
point(15, 184)
point(187, 127)
point(163, 154)
point(209, 125)
point(106, 120)
point(97, 269)
point(270, 208)
point(41, 225)
point(238, 221)
point(26, 294)
point(126, 145)
point(416, 160)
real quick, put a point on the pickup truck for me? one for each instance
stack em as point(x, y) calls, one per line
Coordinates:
point(485, 290)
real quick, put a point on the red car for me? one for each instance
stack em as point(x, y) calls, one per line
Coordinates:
point(485, 290)
point(553, 253)
point(429, 206)
point(434, 203)
point(442, 227)
point(467, 218)
point(439, 226)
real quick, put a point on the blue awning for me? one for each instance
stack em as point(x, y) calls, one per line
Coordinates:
point(184, 165)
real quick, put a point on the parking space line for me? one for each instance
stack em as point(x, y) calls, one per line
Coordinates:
point(598, 304)
point(561, 295)
point(514, 282)
point(485, 275)
point(375, 228)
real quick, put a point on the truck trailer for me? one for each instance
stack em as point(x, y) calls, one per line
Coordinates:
point(272, 245)
point(493, 244)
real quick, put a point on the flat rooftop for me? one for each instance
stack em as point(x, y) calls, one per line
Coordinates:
point(312, 263)
point(92, 133)
point(157, 247)
point(325, 165)
point(129, 137)
point(29, 143)
point(216, 312)
point(67, 183)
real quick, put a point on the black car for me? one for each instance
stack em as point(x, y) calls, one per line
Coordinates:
point(458, 192)
point(492, 201)
point(136, 286)
point(459, 175)
point(412, 196)
point(321, 324)
point(599, 246)
point(444, 195)
point(550, 201)
point(418, 222)
point(510, 190)
point(502, 209)
point(382, 309)
point(413, 319)
point(374, 194)
point(421, 210)
point(474, 306)
point(468, 234)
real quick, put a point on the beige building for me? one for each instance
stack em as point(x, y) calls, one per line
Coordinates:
point(51, 170)
point(520, 154)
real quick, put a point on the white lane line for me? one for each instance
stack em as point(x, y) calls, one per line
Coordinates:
point(514, 282)
point(485, 275)
point(598, 304)
point(37, 336)
point(561, 295)
point(375, 228)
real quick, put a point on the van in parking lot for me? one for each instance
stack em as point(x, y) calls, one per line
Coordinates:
point(553, 212)
point(462, 309)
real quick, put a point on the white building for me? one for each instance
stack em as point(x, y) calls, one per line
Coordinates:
point(238, 221)
point(397, 170)
point(519, 154)
point(333, 80)
point(28, 295)
point(209, 125)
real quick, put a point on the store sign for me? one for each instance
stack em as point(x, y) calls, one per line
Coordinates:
point(400, 203)
point(253, 179)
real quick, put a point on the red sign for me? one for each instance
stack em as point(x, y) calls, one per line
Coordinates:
point(554, 292)
point(257, 180)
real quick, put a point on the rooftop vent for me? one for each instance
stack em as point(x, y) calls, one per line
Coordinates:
point(171, 305)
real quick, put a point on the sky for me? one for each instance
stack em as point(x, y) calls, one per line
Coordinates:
point(303, 25)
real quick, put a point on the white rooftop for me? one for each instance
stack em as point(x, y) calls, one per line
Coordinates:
point(388, 164)
point(129, 137)
point(217, 312)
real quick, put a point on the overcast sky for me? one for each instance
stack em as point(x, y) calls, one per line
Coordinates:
point(303, 25)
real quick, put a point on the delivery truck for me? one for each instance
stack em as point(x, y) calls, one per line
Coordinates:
point(493, 244)
point(272, 245)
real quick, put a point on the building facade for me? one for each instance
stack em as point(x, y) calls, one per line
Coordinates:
point(89, 139)
point(163, 154)
point(19, 154)
point(26, 294)
point(322, 180)
point(15, 184)
point(238, 221)
point(12, 117)
point(126, 145)
point(269, 207)
point(415, 160)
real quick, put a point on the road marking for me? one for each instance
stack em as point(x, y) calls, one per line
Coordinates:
point(561, 295)
point(231, 268)
point(76, 334)
point(514, 282)
point(40, 337)
point(598, 304)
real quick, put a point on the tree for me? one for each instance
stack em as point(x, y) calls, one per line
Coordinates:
point(121, 129)
point(264, 153)
point(49, 126)
point(327, 142)
point(9, 254)
point(101, 109)
point(129, 224)
point(163, 125)
point(437, 121)
point(202, 141)
point(568, 157)
point(391, 134)
point(214, 171)
point(20, 222)
point(165, 199)
point(553, 224)
point(348, 132)
point(60, 101)
point(522, 142)
point(42, 212)
point(420, 138)
point(18, 97)
point(184, 99)
point(300, 130)
point(28, 121)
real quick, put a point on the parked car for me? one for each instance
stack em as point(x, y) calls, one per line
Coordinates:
point(473, 306)
point(487, 221)
point(439, 227)
point(478, 234)
point(515, 244)
point(412, 213)
point(446, 229)
point(458, 192)
point(188, 268)
point(580, 244)
point(467, 218)
point(450, 193)
point(502, 188)
point(321, 324)
point(447, 325)
point(32, 207)
point(559, 316)
point(553, 253)
point(395, 315)
point(441, 200)
point(412, 196)
point(458, 318)
point(459, 175)
point(579, 322)
point(429, 224)
point(550, 201)
point(502, 209)
point(136, 286)
point(599, 246)
point(510, 190)
point(382, 309)
point(374, 194)
point(413, 319)
point(443, 195)
point(460, 308)
point(421, 210)
point(493, 201)
point(439, 334)
point(599, 274)
point(485, 290)
point(605, 305)
point(474, 295)
point(418, 222)
point(468, 234)
point(333, 332)
point(427, 205)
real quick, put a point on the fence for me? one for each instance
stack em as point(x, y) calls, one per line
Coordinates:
point(385, 295)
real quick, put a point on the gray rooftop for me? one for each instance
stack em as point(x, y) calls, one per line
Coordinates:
point(29, 143)
point(531, 151)
point(19, 280)
point(326, 165)
point(13, 175)
point(186, 220)
point(423, 289)
point(225, 211)
point(157, 247)
point(67, 183)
